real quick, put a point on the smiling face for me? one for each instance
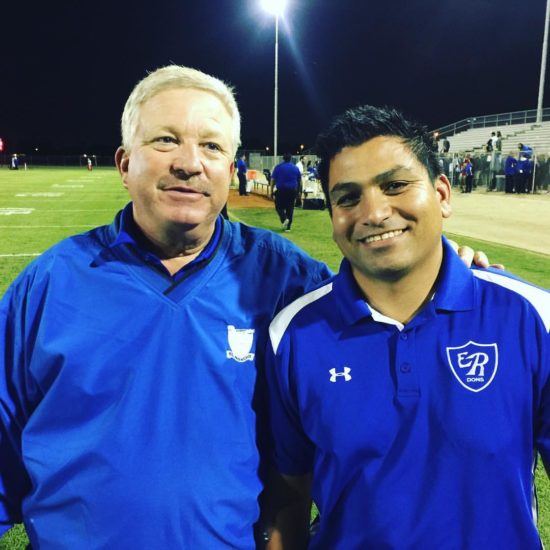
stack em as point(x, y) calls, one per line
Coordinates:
point(180, 163)
point(386, 212)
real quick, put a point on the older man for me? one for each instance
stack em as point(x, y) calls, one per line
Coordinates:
point(129, 354)
point(409, 394)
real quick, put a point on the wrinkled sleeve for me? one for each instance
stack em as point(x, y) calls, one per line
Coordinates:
point(543, 414)
point(291, 450)
point(14, 482)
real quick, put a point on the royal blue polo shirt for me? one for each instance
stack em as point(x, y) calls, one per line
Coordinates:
point(420, 436)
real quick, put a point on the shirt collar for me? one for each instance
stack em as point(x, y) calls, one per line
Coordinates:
point(130, 234)
point(455, 289)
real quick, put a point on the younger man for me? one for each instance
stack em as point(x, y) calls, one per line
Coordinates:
point(409, 394)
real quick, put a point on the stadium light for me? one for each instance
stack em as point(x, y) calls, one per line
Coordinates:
point(1, 145)
point(276, 8)
point(543, 62)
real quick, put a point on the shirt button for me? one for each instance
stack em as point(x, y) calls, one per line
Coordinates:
point(406, 367)
point(403, 336)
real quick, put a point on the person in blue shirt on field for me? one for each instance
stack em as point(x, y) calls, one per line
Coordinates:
point(130, 354)
point(286, 178)
point(510, 172)
point(242, 168)
point(524, 169)
point(409, 395)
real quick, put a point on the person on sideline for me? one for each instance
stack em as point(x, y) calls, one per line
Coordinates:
point(286, 178)
point(242, 168)
point(129, 354)
point(510, 172)
point(409, 395)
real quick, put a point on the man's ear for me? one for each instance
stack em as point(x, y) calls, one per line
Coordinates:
point(122, 159)
point(443, 190)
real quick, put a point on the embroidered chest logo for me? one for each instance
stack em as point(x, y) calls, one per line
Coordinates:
point(334, 375)
point(474, 365)
point(240, 341)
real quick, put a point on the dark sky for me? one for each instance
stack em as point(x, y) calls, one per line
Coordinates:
point(68, 66)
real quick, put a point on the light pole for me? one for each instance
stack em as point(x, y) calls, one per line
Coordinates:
point(543, 62)
point(276, 8)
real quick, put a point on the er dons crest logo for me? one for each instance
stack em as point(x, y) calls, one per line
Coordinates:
point(474, 365)
point(240, 341)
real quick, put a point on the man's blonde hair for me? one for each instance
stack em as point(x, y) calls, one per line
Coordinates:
point(173, 77)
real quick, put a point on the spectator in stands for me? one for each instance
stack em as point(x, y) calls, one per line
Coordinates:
point(524, 169)
point(285, 179)
point(468, 173)
point(490, 145)
point(510, 172)
point(242, 169)
point(446, 145)
point(498, 143)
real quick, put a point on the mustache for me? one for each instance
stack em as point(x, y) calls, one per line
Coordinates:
point(187, 185)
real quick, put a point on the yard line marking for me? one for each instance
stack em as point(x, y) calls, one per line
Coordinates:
point(16, 211)
point(39, 194)
point(43, 226)
point(20, 255)
point(68, 186)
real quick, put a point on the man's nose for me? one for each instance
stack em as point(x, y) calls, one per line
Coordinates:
point(375, 207)
point(187, 159)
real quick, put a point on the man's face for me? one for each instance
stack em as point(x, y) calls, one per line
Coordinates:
point(386, 212)
point(179, 167)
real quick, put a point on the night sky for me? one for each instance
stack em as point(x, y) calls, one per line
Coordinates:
point(68, 66)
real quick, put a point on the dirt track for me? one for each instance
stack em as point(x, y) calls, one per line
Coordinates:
point(522, 221)
point(254, 200)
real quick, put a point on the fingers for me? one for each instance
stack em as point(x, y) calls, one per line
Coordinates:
point(480, 259)
point(466, 254)
point(469, 257)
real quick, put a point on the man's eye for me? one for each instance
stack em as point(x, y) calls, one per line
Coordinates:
point(213, 146)
point(395, 186)
point(165, 139)
point(347, 200)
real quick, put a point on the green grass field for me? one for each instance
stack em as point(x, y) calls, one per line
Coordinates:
point(41, 206)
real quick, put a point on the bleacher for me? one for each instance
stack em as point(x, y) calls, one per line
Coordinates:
point(475, 139)
point(471, 135)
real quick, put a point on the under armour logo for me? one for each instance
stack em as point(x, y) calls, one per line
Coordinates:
point(346, 374)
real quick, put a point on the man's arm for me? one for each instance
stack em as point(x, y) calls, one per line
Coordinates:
point(288, 508)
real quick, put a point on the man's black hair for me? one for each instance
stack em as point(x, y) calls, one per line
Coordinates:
point(287, 157)
point(358, 125)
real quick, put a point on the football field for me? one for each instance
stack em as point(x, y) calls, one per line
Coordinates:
point(39, 207)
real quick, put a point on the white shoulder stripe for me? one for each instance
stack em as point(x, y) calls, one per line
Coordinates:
point(539, 298)
point(282, 320)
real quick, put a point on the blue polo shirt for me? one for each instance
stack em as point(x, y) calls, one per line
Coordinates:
point(286, 176)
point(419, 436)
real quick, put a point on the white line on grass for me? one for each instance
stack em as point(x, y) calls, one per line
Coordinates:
point(20, 255)
point(43, 226)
